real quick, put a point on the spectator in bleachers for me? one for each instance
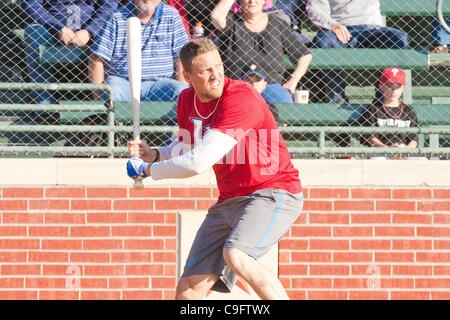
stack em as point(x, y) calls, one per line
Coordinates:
point(388, 110)
point(55, 22)
point(350, 24)
point(256, 37)
point(163, 35)
point(439, 37)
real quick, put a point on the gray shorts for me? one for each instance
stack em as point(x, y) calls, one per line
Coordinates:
point(251, 223)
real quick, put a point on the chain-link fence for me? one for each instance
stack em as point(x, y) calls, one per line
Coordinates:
point(339, 103)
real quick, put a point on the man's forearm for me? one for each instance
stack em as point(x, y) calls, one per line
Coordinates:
point(96, 69)
point(220, 12)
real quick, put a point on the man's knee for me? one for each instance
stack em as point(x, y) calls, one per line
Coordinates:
point(195, 287)
point(235, 259)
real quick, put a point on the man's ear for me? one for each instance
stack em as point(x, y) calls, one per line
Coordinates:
point(187, 76)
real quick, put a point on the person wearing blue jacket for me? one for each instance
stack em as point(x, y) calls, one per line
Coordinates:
point(56, 22)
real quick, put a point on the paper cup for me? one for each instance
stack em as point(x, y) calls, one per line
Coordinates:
point(301, 96)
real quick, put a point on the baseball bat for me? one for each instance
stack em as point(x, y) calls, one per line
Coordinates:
point(134, 54)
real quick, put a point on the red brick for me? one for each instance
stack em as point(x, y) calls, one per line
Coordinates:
point(131, 231)
point(170, 218)
point(20, 244)
point(57, 283)
point(400, 283)
point(386, 205)
point(441, 218)
point(65, 218)
point(48, 231)
point(49, 204)
point(190, 192)
point(160, 282)
point(433, 257)
point(164, 257)
point(62, 270)
point(142, 295)
point(130, 257)
point(205, 204)
point(350, 283)
point(394, 256)
point(310, 231)
point(376, 244)
point(18, 295)
point(292, 269)
point(144, 244)
point(164, 231)
point(65, 192)
point(150, 193)
point(435, 232)
point(100, 270)
point(440, 295)
point(301, 219)
point(296, 294)
point(170, 270)
point(311, 256)
point(44, 256)
point(293, 244)
point(21, 269)
point(102, 244)
point(315, 205)
point(441, 193)
point(371, 193)
point(352, 231)
point(106, 193)
point(11, 283)
point(145, 217)
point(93, 283)
point(174, 204)
point(58, 295)
point(325, 193)
point(412, 244)
point(412, 218)
point(369, 295)
point(285, 282)
point(13, 256)
point(324, 269)
point(433, 206)
point(354, 205)
point(13, 231)
point(61, 244)
point(129, 283)
point(169, 294)
point(100, 295)
point(284, 257)
point(411, 194)
point(372, 218)
point(443, 283)
point(371, 270)
point(14, 205)
point(107, 217)
point(23, 193)
point(327, 295)
point(410, 295)
point(145, 269)
point(90, 257)
point(442, 270)
point(441, 244)
point(325, 244)
point(91, 205)
point(134, 204)
point(89, 231)
point(312, 282)
point(413, 270)
point(328, 218)
point(19, 217)
point(352, 257)
point(394, 231)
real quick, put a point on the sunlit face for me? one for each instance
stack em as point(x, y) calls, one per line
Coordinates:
point(206, 75)
point(392, 91)
point(146, 6)
point(258, 83)
point(252, 6)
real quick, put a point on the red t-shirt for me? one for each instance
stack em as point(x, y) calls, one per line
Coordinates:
point(260, 159)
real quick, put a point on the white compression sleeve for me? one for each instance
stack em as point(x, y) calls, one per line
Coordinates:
point(174, 148)
point(204, 155)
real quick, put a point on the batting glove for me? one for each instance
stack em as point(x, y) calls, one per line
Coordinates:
point(136, 168)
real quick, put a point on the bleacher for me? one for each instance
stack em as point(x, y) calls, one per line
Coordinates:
point(428, 89)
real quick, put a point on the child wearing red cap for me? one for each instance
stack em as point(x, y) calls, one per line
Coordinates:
point(388, 110)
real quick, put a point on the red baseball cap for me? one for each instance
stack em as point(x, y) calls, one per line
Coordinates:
point(393, 75)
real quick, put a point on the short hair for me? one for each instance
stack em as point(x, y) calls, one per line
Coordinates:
point(194, 48)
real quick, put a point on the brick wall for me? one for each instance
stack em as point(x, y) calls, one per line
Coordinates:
point(118, 243)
